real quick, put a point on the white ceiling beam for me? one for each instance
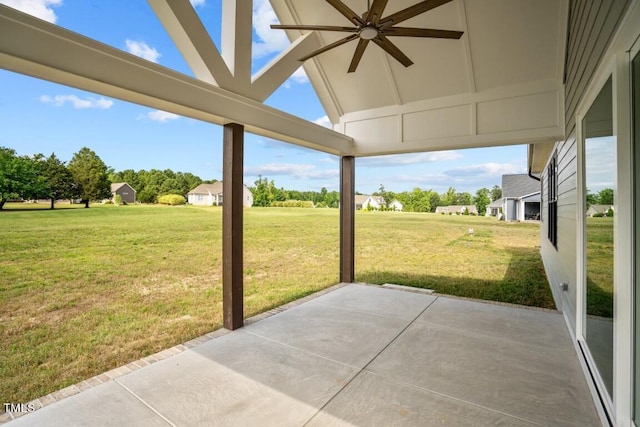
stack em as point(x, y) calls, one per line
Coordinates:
point(237, 33)
point(286, 12)
point(467, 46)
point(521, 114)
point(37, 48)
point(192, 40)
point(276, 72)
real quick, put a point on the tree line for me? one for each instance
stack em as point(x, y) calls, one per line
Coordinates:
point(39, 177)
point(265, 194)
point(602, 197)
point(153, 184)
point(85, 177)
point(419, 200)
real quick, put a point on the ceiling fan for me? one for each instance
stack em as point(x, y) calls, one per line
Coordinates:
point(373, 27)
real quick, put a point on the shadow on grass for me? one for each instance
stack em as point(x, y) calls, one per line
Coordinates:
point(524, 282)
point(599, 300)
point(39, 207)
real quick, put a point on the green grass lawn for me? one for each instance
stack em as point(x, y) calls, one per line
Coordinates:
point(600, 266)
point(85, 290)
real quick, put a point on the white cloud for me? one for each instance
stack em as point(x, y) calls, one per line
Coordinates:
point(143, 50)
point(299, 76)
point(600, 163)
point(408, 159)
point(160, 116)
point(38, 8)
point(329, 159)
point(296, 170)
point(323, 121)
point(196, 3)
point(486, 170)
point(270, 41)
point(77, 103)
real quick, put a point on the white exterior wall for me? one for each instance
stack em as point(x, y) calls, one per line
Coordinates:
point(520, 209)
point(201, 199)
point(217, 199)
point(396, 205)
point(247, 198)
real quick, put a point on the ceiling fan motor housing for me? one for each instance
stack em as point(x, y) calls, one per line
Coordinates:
point(368, 33)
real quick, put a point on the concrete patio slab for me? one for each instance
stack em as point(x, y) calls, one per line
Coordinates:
point(377, 301)
point(372, 400)
point(544, 385)
point(358, 356)
point(238, 378)
point(108, 405)
point(536, 327)
point(346, 336)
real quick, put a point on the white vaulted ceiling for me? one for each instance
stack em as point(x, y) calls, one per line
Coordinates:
point(511, 56)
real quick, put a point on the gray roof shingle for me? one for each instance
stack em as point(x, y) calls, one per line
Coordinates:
point(215, 188)
point(519, 185)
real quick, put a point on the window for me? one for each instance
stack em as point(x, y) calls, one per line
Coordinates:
point(552, 200)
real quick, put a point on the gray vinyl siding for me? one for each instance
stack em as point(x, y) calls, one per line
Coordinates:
point(512, 215)
point(127, 193)
point(560, 263)
point(592, 24)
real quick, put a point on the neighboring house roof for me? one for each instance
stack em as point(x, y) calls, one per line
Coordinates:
point(519, 185)
point(497, 203)
point(601, 209)
point(535, 197)
point(361, 198)
point(215, 188)
point(118, 185)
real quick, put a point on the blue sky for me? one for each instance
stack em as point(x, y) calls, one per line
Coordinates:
point(42, 117)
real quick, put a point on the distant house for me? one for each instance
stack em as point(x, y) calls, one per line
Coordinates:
point(125, 191)
point(360, 199)
point(376, 202)
point(495, 207)
point(521, 197)
point(373, 202)
point(457, 209)
point(396, 205)
point(598, 210)
point(211, 195)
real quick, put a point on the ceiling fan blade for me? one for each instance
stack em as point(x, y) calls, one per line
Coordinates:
point(315, 27)
point(412, 11)
point(346, 11)
point(421, 32)
point(329, 46)
point(392, 50)
point(375, 13)
point(357, 55)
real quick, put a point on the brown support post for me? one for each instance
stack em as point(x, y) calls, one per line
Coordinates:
point(232, 227)
point(347, 215)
